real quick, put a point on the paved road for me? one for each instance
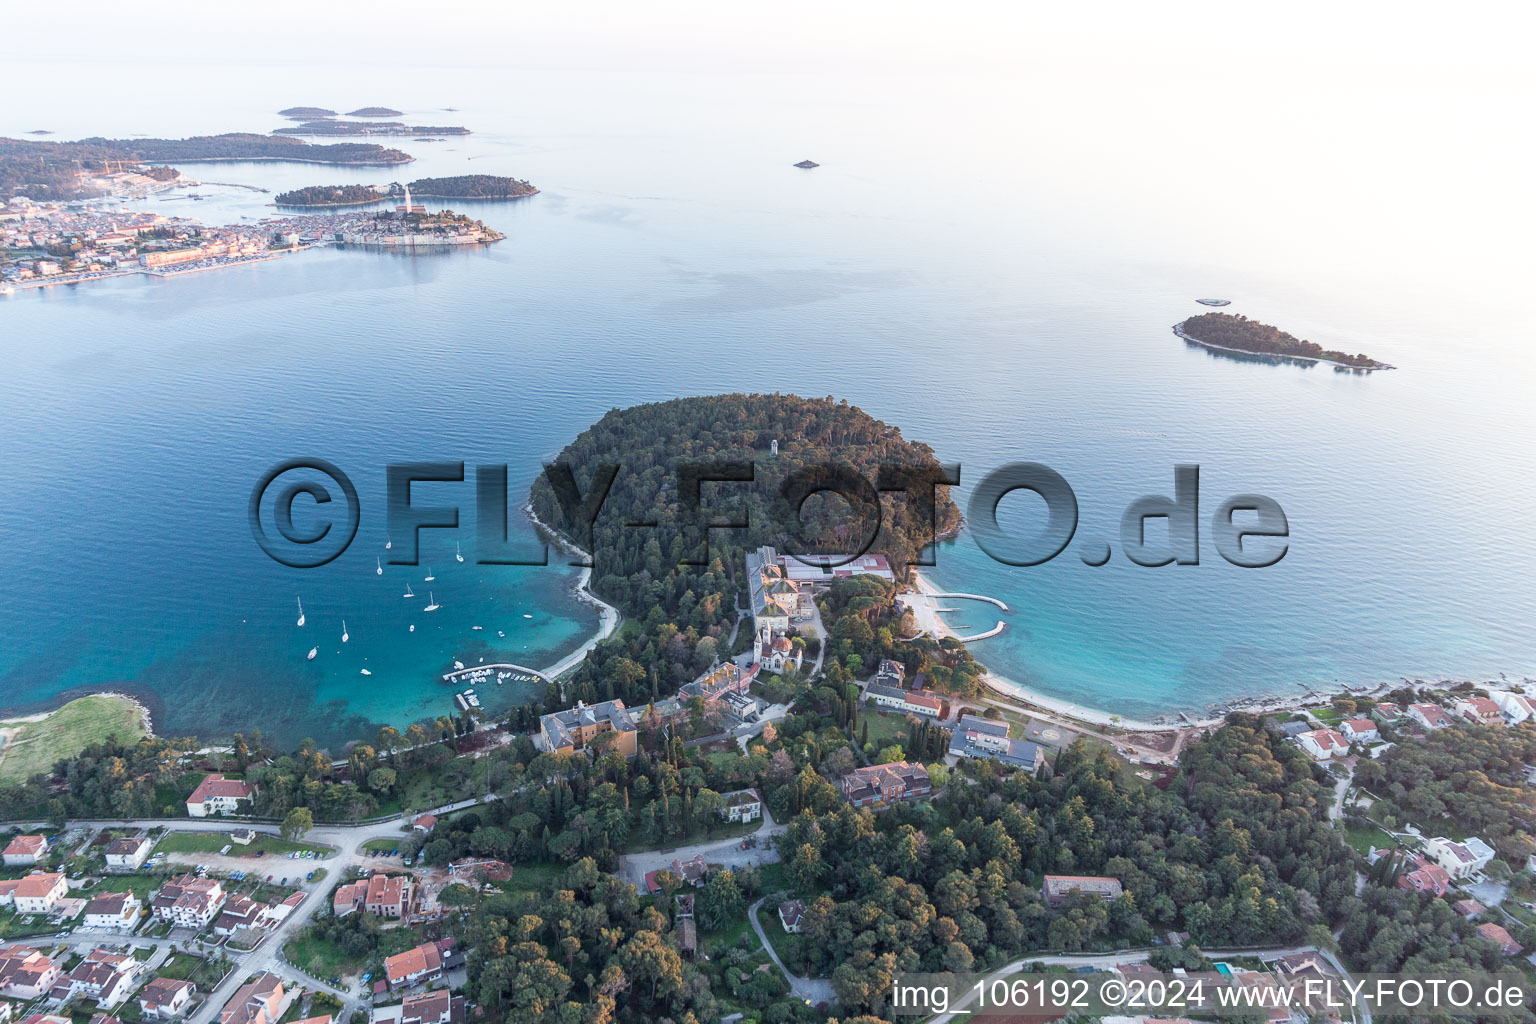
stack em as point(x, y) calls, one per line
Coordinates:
point(812, 990)
point(633, 866)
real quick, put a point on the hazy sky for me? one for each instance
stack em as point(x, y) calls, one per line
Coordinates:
point(698, 34)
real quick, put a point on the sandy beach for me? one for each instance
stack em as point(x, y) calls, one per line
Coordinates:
point(924, 605)
point(610, 617)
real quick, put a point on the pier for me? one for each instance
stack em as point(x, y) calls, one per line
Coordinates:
point(982, 636)
point(973, 597)
point(503, 666)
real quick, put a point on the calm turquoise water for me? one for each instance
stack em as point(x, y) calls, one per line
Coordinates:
point(994, 274)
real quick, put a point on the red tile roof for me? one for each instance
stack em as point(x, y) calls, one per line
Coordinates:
point(218, 785)
point(26, 846)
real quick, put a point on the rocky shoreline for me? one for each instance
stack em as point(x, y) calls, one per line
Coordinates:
point(1178, 329)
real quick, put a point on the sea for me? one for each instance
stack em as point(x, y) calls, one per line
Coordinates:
point(991, 261)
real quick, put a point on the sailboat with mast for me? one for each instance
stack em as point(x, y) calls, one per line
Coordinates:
point(457, 552)
point(343, 630)
point(301, 611)
point(408, 591)
point(380, 563)
point(434, 606)
point(430, 577)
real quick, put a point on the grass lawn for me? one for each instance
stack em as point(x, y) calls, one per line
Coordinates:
point(321, 959)
point(202, 973)
point(1328, 715)
point(140, 885)
point(15, 927)
point(885, 727)
point(213, 842)
point(32, 747)
point(540, 877)
point(713, 944)
point(1362, 839)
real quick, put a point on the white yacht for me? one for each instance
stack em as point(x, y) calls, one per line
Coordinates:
point(301, 611)
point(343, 630)
point(434, 606)
point(312, 652)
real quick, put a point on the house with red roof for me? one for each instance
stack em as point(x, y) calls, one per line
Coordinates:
point(1360, 730)
point(1427, 877)
point(1323, 744)
point(25, 851)
point(26, 974)
point(165, 998)
point(1499, 936)
point(218, 794)
point(1430, 716)
point(1480, 711)
point(39, 892)
point(421, 963)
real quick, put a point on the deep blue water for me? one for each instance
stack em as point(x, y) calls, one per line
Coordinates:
point(996, 279)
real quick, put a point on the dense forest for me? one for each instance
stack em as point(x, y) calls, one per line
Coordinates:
point(1472, 774)
point(374, 112)
point(51, 170)
point(686, 611)
point(472, 186)
point(304, 113)
point(1235, 331)
point(464, 186)
point(647, 443)
point(1237, 851)
point(332, 195)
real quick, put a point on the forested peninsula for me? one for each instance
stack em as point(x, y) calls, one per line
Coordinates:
point(465, 186)
point(51, 170)
point(1239, 334)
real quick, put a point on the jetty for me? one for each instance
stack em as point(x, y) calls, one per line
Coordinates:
point(506, 666)
point(982, 636)
point(973, 597)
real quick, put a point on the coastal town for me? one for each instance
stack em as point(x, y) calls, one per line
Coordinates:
point(217, 913)
point(50, 244)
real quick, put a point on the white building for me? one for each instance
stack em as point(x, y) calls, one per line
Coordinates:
point(1480, 710)
point(1516, 706)
point(25, 851)
point(742, 805)
point(1322, 744)
point(217, 794)
point(113, 911)
point(1430, 716)
point(791, 914)
point(1460, 860)
point(164, 998)
point(38, 892)
point(128, 854)
point(1360, 730)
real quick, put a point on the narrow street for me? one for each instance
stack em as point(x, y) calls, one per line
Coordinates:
point(812, 990)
